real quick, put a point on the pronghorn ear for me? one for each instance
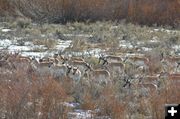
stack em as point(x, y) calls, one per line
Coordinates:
point(40, 60)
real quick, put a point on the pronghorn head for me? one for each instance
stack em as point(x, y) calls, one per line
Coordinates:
point(68, 69)
point(16, 53)
point(33, 58)
point(40, 60)
point(127, 82)
point(34, 61)
point(89, 67)
point(178, 64)
point(125, 59)
point(50, 64)
point(55, 55)
point(64, 59)
point(105, 61)
point(101, 57)
point(161, 56)
point(74, 70)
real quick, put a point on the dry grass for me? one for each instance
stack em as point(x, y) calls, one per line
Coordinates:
point(30, 96)
point(46, 93)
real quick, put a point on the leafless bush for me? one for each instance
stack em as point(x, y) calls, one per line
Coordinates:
point(23, 96)
point(142, 11)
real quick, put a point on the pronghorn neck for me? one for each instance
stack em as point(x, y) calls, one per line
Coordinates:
point(74, 71)
point(88, 66)
point(56, 61)
point(100, 58)
point(50, 64)
point(104, 59)
point(34, 61)
point(68, 69)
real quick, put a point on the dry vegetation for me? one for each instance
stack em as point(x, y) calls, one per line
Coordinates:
point(141, 11)
point(26, 94)
point(23, 97)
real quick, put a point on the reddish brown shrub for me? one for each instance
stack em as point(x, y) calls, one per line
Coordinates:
point(140, 11)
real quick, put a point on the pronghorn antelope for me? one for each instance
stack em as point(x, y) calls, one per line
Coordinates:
point(77, 59)
point(150, 79)
point(151, 87)
point(116, 68)
point(76, 74)
point(24, 59)
point(55, 55)
point(127, 81)
point(175, 76)
point(83, 66)
point(41, 67)
point(99, 76)
point(60, 70)
point(19, 61)
point(170, 76)
point(166, 67)
point(146, 82)
point(46, 59)
point(173, 59)
point(110, 58)
point(139, 61)
point(54, 59)
point(63, 59)
point(175, 79)
point(103, 58)
point(173, 62)
point(50, 59)
point(42, 64)
point(18, 58)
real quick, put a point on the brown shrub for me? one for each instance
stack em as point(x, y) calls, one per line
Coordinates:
point(22, 96)
point(168, 95)
point(110, 105)
point(141, 11)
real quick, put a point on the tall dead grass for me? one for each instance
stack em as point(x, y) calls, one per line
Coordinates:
point(141, 11)
point(23, 97)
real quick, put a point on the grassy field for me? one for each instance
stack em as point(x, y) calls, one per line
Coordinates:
point(25, 93)
point(88, 29)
